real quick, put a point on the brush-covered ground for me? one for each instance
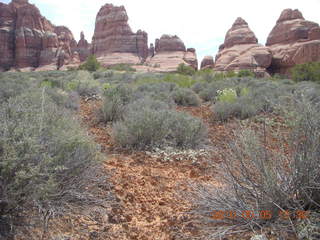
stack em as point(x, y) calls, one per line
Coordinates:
point(124, 155)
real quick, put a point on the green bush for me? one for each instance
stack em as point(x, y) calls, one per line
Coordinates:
point(185, 69)
point(230, 74)
point(43, 152)
point(306, 72)
point(186, 97)
point(122, 67)
point(227, 95)
point(245, 73)
point(91, 64)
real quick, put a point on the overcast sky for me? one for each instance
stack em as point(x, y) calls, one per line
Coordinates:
point(201, 24)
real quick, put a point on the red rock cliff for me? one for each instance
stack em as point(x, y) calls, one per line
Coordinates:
point(113, 38)
point(29, 40)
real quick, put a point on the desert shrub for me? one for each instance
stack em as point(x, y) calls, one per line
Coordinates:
point(158, 91)
point(141, 129)
point(245, 103)
point(147, 102)
point(43, 152)
point(186, 97)
point(91, 64)
point(120, 78)
point(245, 73)
point(185, 69)
point(208, 94)
point(114, 102)
point(278, 76)
point(148, 123)
point(148, 78)
point(181, 80)
point(186, 131)
point(103, 75)
point(286, 81)
point(205, 75)
point(306, 72)
point(199, 86)
point(83, 84)
point(242, 109)
point(122, 67)
point(157, 87)
point(11, 86)
point(309, 91)
point(256, 177)
point(70, 100)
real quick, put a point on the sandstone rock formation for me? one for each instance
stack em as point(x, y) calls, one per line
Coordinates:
point(170, 51)
point(151, 50)
point(292, 41)
point(83, 47)
point(242, 51)
point(114, 42)
point(7, 37)
point(28, 40)
point(168, 43)
point(207, 63)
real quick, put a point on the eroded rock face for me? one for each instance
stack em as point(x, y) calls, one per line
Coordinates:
point(168, 53)
point(190, 58)
point(151, 50)
point(29, 40)
point(207, 62)
point(83, 48)
point(169, 43)
point(30, 29)
point(241, 50)
point(7, 38)
point(240, 33)
point(292, 41)
point(113, 35)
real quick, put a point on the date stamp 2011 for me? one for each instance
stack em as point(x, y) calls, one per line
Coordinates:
point(262, 214)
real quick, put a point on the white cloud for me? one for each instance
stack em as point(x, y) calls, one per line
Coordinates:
point(201, 24)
